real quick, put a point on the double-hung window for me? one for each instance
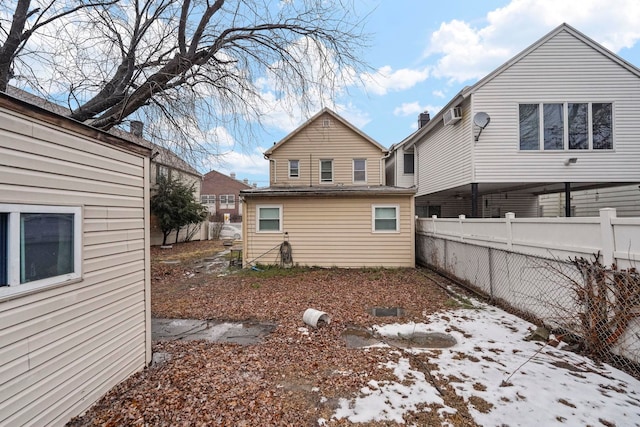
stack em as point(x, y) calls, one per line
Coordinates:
point(384, 218)
point(326, 171)
point(566, 126)
point(294, 168)
point(359, 170)
point(269, 218)
point(39, 245)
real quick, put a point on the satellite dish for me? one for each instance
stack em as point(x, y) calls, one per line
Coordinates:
point(481, 120)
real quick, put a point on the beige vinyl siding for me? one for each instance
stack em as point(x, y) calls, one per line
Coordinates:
point(625, 199)
point(333, 232)
point(62, 347)
point(564, 69)
point(444, 160)
point(337, 142)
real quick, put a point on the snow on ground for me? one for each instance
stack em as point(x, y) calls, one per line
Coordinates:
point(527, 382)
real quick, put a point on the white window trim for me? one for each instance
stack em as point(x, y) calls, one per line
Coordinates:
point(297, 176)
point(258, 207)
point(13, 247)
point(353, 171)
point(373, 218)
point(320, 171)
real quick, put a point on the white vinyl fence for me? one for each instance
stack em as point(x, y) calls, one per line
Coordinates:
point(544, 269)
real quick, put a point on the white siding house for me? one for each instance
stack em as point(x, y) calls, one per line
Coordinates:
point(563, 116)
point(74, 264)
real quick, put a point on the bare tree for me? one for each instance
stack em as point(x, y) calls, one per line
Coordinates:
point(21, 29)
point(190, 66)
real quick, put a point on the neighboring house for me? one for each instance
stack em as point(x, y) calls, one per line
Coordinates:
point(328, 200)
point(163, 161)
point(221, 194)
point(561, 116)
point(74, 264)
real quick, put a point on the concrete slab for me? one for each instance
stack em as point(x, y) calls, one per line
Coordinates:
point(192, 329)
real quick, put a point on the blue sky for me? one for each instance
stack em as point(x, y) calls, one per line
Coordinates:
point(423, 52)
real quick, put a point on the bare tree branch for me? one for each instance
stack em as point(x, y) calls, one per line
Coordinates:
point(195, 64)
point(18, 34)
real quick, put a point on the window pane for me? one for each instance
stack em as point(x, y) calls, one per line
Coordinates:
point(408, 163)
point(578, 126)
point(359, 170)
point(269, 213)
point(529, 127)
point(3, 249)
point(326, 172)
point(553, 127)
point(385, 219)
point(46, 246)
point(602, 127)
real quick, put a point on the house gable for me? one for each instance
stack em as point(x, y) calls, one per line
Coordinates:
point(326, 150)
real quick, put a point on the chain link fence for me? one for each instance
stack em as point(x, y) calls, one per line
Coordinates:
point(594, 308)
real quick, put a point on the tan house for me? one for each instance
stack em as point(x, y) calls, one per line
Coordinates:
point(74, 264)
point(328, 200)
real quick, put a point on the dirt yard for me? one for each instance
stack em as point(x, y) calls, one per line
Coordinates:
point(297, 374)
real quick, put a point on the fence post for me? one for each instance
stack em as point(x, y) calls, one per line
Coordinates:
point(461, 221)
point(433, 220)
point(508, 217)
point(608, 239)
point(490, 273)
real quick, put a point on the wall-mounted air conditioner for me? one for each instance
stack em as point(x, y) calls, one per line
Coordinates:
point(452, 116)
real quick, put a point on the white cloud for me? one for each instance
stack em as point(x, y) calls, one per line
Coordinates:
point(386, 79)
point(468, 53)
point(414, 108)
point(251, 165)
point(438, 93)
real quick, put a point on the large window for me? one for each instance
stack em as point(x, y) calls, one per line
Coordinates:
point(227, 201)
point(269, 218)
point(408, 163)
point(359, 170)
point(566, 126)
point(294, 168)
point(39, 245)
point(385, 218)
point(208, 199)
point(326, 170)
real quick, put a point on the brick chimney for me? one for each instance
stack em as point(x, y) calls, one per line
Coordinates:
point(423, 119)
point(136, 127)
